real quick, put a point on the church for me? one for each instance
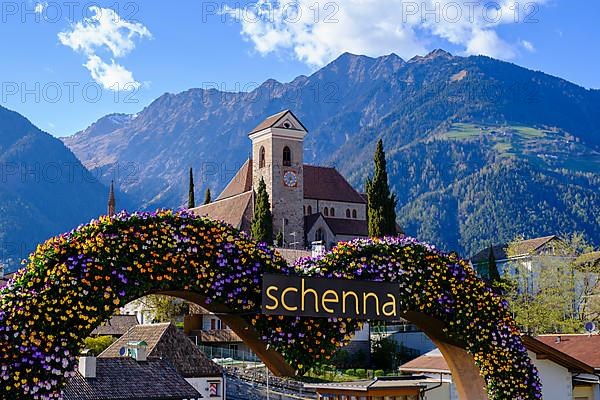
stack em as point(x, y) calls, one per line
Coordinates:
point(310, 204)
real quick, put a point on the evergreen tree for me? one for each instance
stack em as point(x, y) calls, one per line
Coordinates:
point(381, 203)
point(207, 196)
point(493, 272)
point(191, 200)
point(279, 239)
point(262, 223)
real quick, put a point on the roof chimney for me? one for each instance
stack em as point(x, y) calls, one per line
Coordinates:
point(138, 350)
point(87, 364)
point(557, 340)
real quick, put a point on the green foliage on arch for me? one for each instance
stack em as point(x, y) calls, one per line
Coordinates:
point(75, 281)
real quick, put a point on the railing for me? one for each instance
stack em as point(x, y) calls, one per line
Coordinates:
point(223, 353)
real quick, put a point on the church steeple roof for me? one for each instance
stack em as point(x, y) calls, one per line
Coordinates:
point(272, 121)
point(111, 200)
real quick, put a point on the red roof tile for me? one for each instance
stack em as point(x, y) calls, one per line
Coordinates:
point(429, 362)
point(585, 348)
point(325, 183)
point(435, 362)
point(236, 210)
point(167, 342)
point(241, 182)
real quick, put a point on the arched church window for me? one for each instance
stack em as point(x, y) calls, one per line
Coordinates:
point(332, 212)
point(353, 213)
point(326, 211)
point(347, 213)
point(261, 157)
point(309, 209)
point(287, 156)
point(319, 235)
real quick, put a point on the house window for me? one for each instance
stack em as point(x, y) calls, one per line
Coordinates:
point(326, 211)
point(319, 235)
point(287, 157)
point(332, 212)
point(347, 213)
point(261, 157)
point(353, 213)
point(213, 324)
point(309, 209)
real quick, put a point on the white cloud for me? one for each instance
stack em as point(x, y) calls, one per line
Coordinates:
point(487, 42)
point(111, 76)
point(527, 45)
point(40, 7)
point(105, 30)
point(316, 33)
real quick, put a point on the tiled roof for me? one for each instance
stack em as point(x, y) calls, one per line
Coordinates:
point(235, 210)
point(325, 183)
point(406, 382)
point(339, 226)
point(355, 227)
point(524, 247)
point(241, 182)
point(168, 342)
point(585, 348)
point(126, 379)
point(434, 362)
point(117, 325)
point(592, 258)
point(428, 362)
point(268, 122)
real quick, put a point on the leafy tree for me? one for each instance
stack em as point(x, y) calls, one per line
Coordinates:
point(162, 308)
point(385, 354)
point(381, 203)
point(191, 200)
point(207, 196)
point(262, 223)
point(98, 344)
point(551, 293)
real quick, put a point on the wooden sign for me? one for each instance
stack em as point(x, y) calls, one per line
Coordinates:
point(327, 297)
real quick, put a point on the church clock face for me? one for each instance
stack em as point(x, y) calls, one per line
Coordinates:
point(290, 179)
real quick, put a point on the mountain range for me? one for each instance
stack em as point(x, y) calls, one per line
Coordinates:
point(479, 150)
point(44, 190)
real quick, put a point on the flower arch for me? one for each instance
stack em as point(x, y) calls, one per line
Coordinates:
point(75, 281)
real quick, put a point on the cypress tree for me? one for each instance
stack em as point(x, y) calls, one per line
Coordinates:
point(493, 272)
point(381, 203)
point(262, 223)
point(207, 196)
point(191, 200)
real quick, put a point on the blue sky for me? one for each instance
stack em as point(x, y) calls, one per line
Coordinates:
point(63, 61)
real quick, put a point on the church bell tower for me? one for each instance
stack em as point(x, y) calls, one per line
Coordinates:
point(277, 153)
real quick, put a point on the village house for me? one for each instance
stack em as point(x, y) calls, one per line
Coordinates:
point(530, 253)
point(116, 326)
point(562, 375)
point(166, 342)
point(126, 378)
